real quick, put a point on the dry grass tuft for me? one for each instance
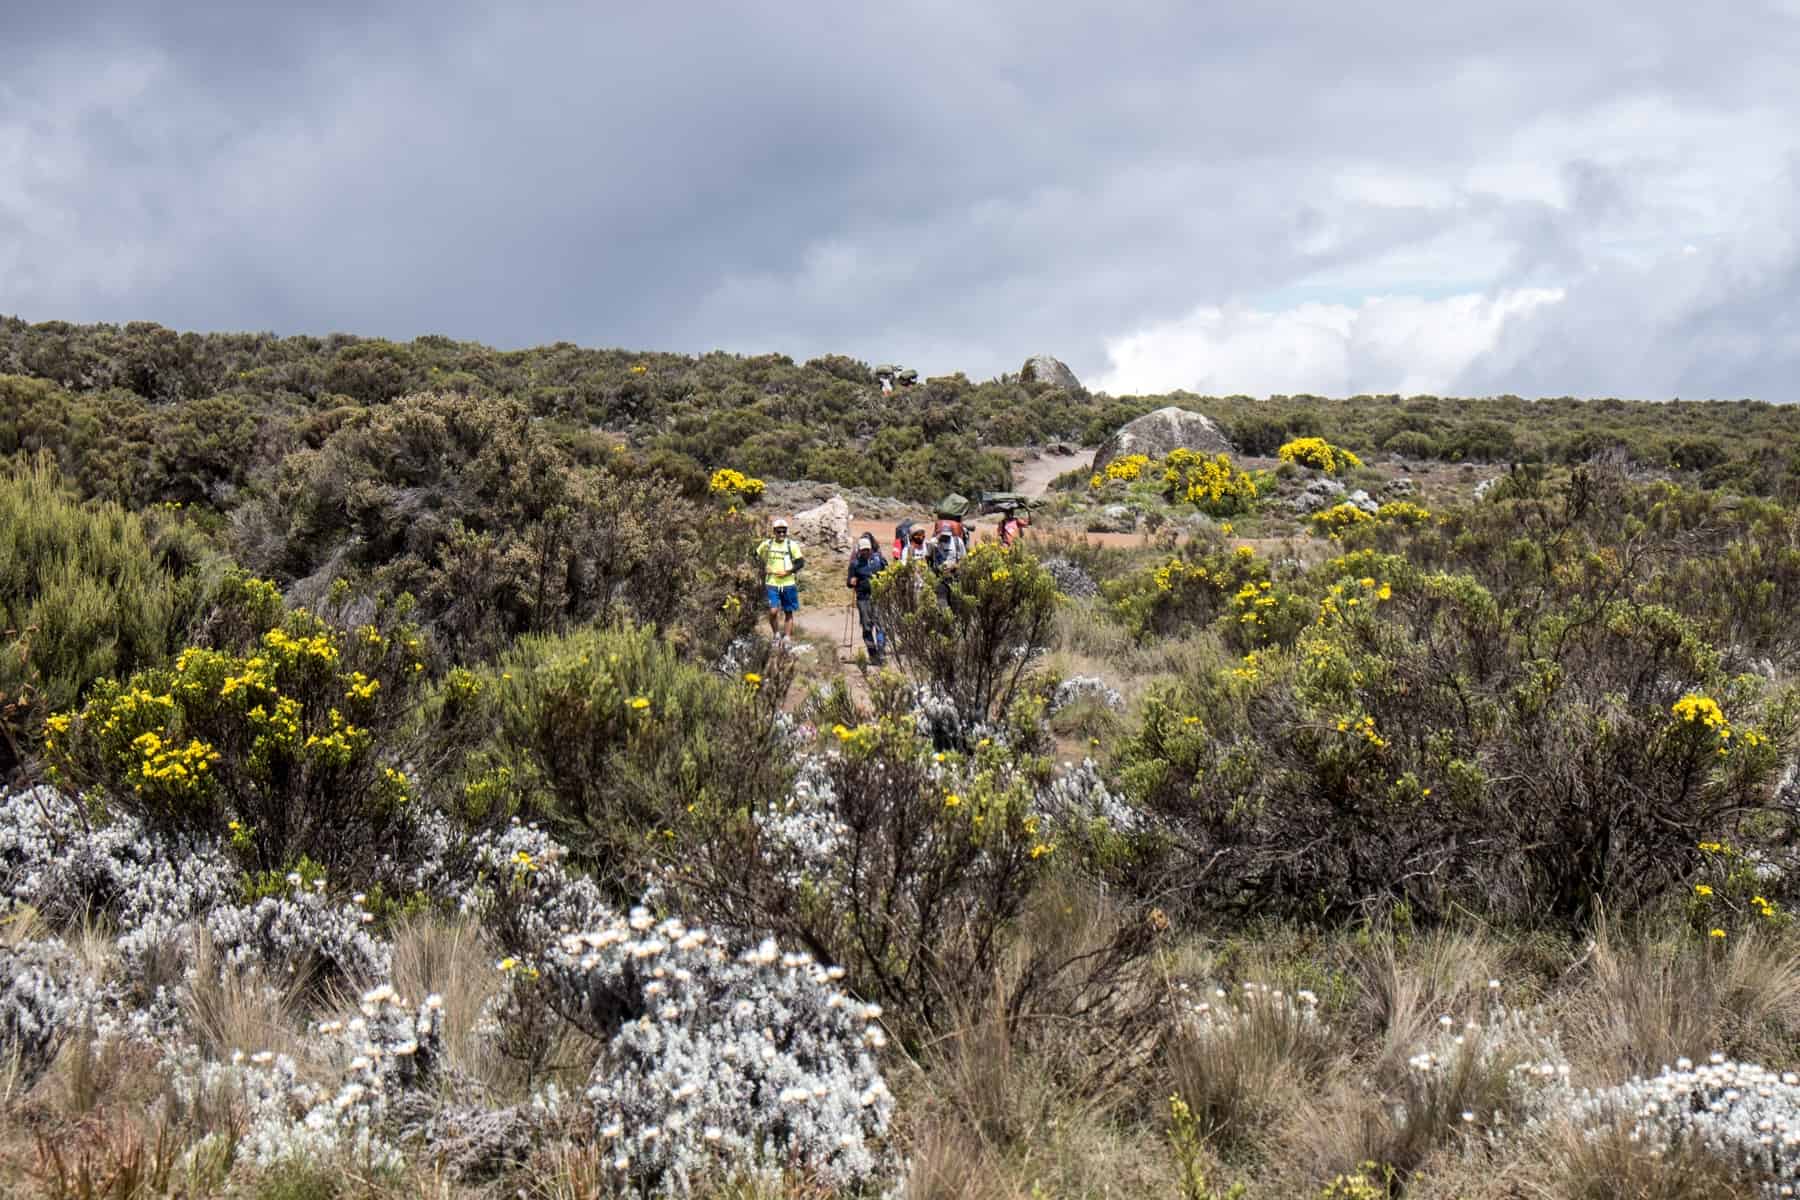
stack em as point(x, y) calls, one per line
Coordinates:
point(230, 1010)
point(1041, 1099)
point(1648, 1001)
point(450, 958)
point(1403, 987)
point(1565, 1163)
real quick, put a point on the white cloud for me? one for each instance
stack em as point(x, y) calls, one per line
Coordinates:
point(1384, 344)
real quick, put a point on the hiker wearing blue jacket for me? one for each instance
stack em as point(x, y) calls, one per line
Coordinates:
point(865, 565)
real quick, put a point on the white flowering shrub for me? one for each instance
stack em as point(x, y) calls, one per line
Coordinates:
point(57, 859)
point(801, 834)
point(1484, 1076)
point(517, 881)
point(718, 1063)
point(387, 1056)
point(1078, 688)
point(36, 1014)
point(1741, 1112)
point(303, 934)
point(1080, 795)
point(1071, 579)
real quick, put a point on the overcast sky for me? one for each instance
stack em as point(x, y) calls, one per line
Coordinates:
point(1542, 198)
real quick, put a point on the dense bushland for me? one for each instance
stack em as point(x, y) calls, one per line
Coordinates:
point(1333, 861)
point(143, 414)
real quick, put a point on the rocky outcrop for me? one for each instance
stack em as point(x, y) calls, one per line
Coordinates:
point(1041, 368)
point(826, 527)
point(1319, 492)
point(1157, 434)
point(1114, 518)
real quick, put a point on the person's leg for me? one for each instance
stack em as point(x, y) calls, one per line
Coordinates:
point(774, 598)
point(865, 611)
point(790, 604)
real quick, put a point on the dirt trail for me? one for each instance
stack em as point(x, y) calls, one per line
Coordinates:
point(822, 621)
point(1032, 477)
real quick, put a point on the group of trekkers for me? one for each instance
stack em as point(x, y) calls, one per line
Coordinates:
point(941, 547)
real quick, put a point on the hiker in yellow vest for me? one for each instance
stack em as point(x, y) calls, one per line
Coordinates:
point(781, 563)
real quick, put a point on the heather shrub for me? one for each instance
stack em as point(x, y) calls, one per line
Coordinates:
point(85, 592)
point(283, 744)
point(975, 641)
point(613, 740)
point(1409, 724)
point(1411, 443)
point(913, 869)
point(476, 510)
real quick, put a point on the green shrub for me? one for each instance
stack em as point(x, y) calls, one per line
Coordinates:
point(85, 594)
point(1420, 744)
point(1410, 443)
point(613, 740)
point(934, 859)
point(975, 633)
point(285, 740)
point(468, 505)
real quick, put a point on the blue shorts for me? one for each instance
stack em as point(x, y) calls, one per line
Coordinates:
point(787, 599)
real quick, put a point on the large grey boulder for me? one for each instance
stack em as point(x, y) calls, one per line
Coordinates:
point(1161, 432)
point(1042, 368)
point(1319, 492)
point(826, 527)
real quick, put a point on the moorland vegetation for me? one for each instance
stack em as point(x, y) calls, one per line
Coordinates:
point(402, 802)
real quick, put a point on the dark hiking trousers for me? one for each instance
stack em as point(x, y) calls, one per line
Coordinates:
point(865, 612)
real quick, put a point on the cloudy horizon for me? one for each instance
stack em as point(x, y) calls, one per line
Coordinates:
point(1287, 197)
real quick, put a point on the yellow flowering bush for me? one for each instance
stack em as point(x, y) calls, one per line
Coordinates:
point(284, 741)
point(1335, 520)
point(734, 487)
point(1403, 512)
point(1733, 891)
point(1125, 469)
point(1187, 592)
point(1207, 481)
point(1319, 454)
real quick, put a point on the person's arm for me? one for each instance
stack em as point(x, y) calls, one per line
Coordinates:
point(794, 555)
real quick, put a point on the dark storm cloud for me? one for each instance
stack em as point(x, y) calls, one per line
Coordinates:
point(954, 185)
